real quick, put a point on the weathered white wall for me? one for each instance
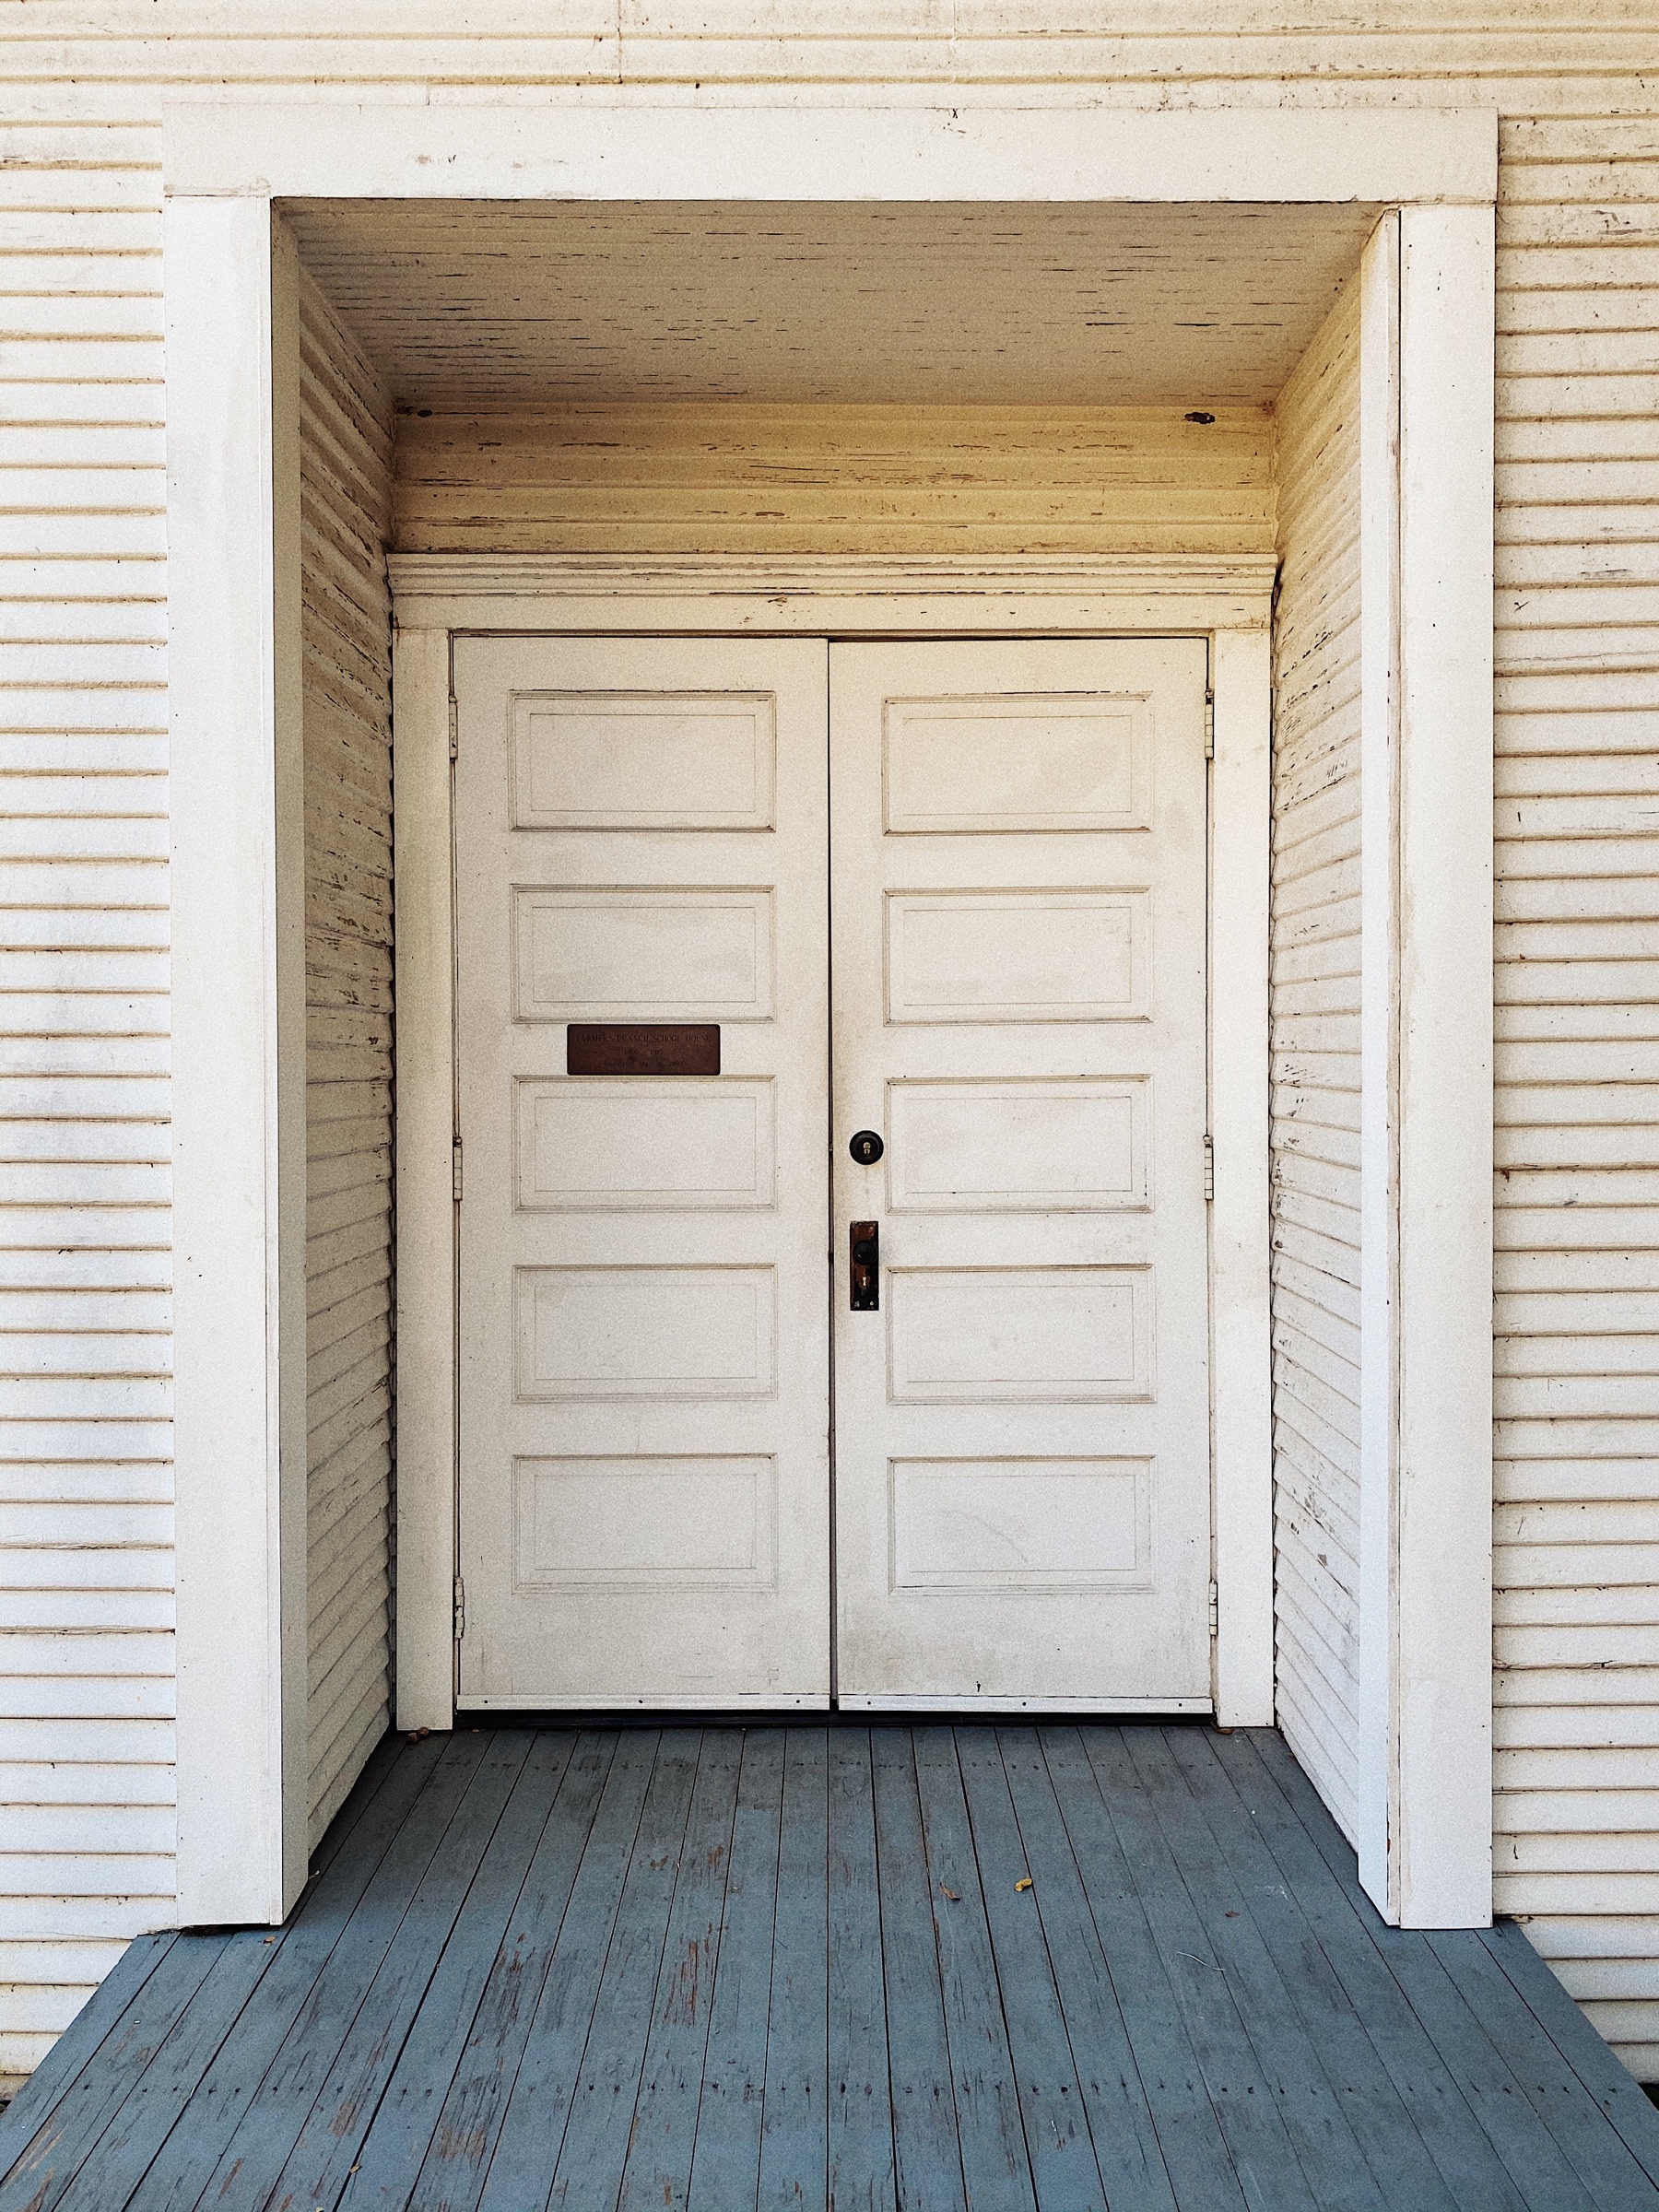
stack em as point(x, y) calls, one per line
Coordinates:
point(1577, 1567)
point(84, 1481)
point(730, 478)
point(1315, 985)
point(85, 1570)
point(345, 484)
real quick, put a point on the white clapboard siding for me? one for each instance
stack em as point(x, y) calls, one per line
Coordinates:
point(85, 1486)
point(85, 1483)
point(345, 474)
point(1577, 1524)
point(730, 478)
point(1316, 1058)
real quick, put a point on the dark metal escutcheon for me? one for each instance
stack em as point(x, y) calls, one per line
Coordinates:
point(863, 1274)
point(866, 1147)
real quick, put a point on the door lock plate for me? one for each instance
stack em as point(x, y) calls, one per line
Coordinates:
point(864, 1266)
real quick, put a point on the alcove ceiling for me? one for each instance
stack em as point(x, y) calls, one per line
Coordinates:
point(1052, 304)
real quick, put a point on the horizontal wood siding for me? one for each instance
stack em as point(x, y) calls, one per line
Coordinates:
point(1578, 1078)
point(85, 1487)
point(727, 478)
point(86, 1823)
point(346, 473)
point(1315, 999)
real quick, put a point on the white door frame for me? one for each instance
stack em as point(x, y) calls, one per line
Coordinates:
point(1227, 601)
point(233, 583)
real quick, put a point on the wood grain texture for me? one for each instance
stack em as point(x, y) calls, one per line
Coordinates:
point(718, 1968)
point(84, 1500)
point(1578, 1418)
point(345, 466)
point(1315, 1026)
point(725, 478)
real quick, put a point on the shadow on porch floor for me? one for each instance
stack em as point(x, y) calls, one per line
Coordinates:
point(930, 1968)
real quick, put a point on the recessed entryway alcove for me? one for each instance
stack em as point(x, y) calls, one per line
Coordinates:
point(884, 426)
point(886, 397)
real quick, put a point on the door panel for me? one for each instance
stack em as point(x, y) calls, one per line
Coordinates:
point(641, 838)
point(1022, 1431)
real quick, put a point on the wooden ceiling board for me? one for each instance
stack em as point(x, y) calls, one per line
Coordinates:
point(1075, 305)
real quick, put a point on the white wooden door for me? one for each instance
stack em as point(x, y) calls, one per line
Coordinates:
point(641, 839)
point(1022, 1429)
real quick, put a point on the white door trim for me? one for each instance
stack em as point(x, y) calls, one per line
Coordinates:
point(1113, 595)
point(234, 657)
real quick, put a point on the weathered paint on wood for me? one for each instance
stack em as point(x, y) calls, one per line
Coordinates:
point(925, 1947)
point(745, 479)
point(85, 1736)
point(1316, 1061)
point(346, 487)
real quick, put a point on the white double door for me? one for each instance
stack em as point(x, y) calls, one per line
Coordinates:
point(968, 878)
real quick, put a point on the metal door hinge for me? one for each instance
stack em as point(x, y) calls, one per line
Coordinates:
point(455, 1163)
point(1215, 1609)
point(461, 1609)
point(1209, 1168)
point(1209, 726)
point(454, 720)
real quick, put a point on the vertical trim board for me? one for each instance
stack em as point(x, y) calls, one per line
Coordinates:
point(237, 1591)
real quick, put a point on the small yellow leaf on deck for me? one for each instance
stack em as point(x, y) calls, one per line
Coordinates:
point(954, 1895)
point(1024, 1882)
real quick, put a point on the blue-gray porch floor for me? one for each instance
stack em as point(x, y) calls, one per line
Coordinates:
point(1010, 1968)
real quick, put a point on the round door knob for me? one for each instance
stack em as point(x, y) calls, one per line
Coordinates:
point(864, 1252)
point(866, 1147)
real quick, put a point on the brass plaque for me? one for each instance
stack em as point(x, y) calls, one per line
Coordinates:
point(643, 1048)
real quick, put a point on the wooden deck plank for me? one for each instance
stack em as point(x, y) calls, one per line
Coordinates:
point(862, 2176)
point(279, 2104)
point(1597, 2155)
point(996, 2167)
point(602, 2110)
point(725, 2165)
point(1620, 2098)
point(299, 1954)
point(1309, 2104)
point(43, 2175)
point(926, 2146)
point(660, 2147)
point(1375, 2113)
point(793, 2122)
point(78, 2047)
point(1195, 2121)
point(1339, 1921)
point(1263, 2152)
point(713, 1968)
point(452, 2172)
point(1316, 2100)
point(142, 2122)
point(1542, 2178)
point(128, 2146)
point(394, 2146)
point(325, 2151)
point(520, 2169)
point(1112, 2083)
point(1053, 2118)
